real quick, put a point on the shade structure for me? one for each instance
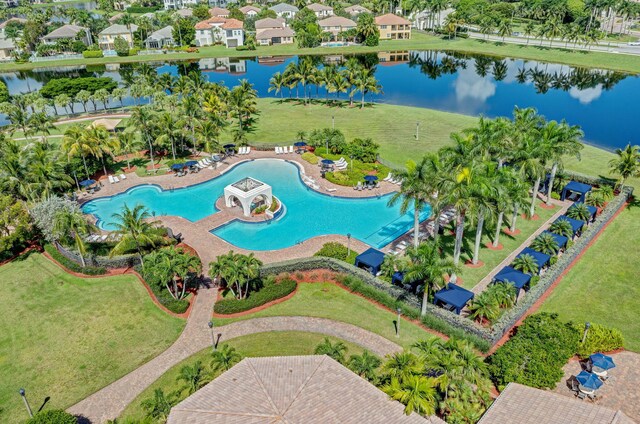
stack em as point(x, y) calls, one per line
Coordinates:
point(177, 166)
point(370, 178)
point(191, 163)
point(453, 295)
point(588, 380)
point(87, 183)
point(541, 258)
point(511, 275)
point(327, 162)
point(299, 144)
point(370, 259)
point(576, 225)
point(575, 187)
point(602, 361)
point(229, 146)
point(592, 211)
point(397, 277)
point(561, 240)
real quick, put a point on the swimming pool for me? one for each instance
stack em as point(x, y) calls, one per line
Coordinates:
point(308, 213)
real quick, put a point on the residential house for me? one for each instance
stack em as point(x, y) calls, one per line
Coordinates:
point(68, 32)
point(229, 32)
point(276, 36)
point(250, 11)
point(284, 10)
point(184, 13)
point(336, 25)
point(221, 3)
point(219, 12)
point(393, 27)
point(179, 4)
point(269, 23)
point(160, 38)
point(7, 46)
point(107, 37)
point(321, 10)
point(356, 9)
point(4, 24)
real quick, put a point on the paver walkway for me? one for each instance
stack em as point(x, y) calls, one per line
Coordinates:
point(109, 402)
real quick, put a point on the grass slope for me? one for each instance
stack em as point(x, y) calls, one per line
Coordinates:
point(285, 343)
point(66, 337)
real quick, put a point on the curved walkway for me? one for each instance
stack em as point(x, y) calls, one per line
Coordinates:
point(109, 402)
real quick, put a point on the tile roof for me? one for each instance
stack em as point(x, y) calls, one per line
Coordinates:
point(270, 23)
point(185, 13)
point(284, 7)
point(336, 21)
point(117, 29)
point(293, 390)
point(247, 9)
point(219, 11)
point(208, 24)
point(391, 19)
point(267, 34)
point(66, 31)
point(233, 24)
point(317, 7)
point(535, 406)
point(356, 8)
point(162, 33)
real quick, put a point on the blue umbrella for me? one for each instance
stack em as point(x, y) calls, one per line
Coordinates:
point(229, 146)
point(191, 163)
point(299, 143)
point(216, 158)
point(87, 183)
point(370, 178)
point(327, 161)
point(588, 380)
point(177, 166)
point(602, 361)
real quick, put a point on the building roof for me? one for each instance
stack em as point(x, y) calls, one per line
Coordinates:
point(336, 21)
point(317, 7)
point(356, 8)
point(185, 13)
point(109, 124)
point(247, 9)
point(534, 406)
point(233, 24)
point(209, 23)
point(148, 15)
point(268, 34)
point(391, 19)
point(219, 11)
point(115, 17)
point(18, 20)
point(7, 44)
point(66, 31)
point(284, 7)
point(293, 390)
point(270, 23)
point(163, 33)
point(117, 29)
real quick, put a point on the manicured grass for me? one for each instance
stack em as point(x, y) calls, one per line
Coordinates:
point(418, 41)
point(284, 343)
point(326, 300)
point(66, 337)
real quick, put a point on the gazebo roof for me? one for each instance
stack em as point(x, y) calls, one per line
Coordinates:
point(247, 184)
point(518, 278)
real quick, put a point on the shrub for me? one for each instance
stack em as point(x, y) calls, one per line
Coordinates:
point(338, 177)
point(174, 305)
point(142, 9)
point(260, 209)
point(599, 339)
point(92, 54)
point(311, 158)
point(271, 290)
point(121, 46)
point(536, 354)
point(333, 250)
point(242, 48)
point(134, 51)
point(53, 416)
point(71, 265)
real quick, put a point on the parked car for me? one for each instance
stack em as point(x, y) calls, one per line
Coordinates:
point(634, 43)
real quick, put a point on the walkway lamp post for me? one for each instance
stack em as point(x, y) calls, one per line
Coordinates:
point(333, 122)
point(587, 325)
point(348, 245)
point(326, 145)
point(417, 131)
point(213, 339)
point(26, 402)
point(398, 322)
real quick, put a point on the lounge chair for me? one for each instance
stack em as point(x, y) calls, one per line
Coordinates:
point(357, 186)
point(377, 185)
point(206, 161)
point(388, 177)
point(104, 237)
point(276, 149)
point(247, 150)
point(340, 161)
point(123, 177)
point(330, 190)
point(111, 179)
point(290, 149)
point(115, 179)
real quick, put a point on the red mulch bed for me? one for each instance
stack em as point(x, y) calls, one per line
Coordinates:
point(511, 233)
point(470, 264)
point(544, 206)
point(490, 246)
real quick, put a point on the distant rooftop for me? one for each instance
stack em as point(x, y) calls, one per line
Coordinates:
point(247, 184)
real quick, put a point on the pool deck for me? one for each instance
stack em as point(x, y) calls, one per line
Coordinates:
point(197, 235)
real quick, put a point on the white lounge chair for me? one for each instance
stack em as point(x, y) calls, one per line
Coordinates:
point(290, 149)
point(115, 179)
point(330, 190)
point(341, 167)
point(388, 177)
point(123, 177)
point(276, 149)
point(206, 161)
point(340, 161)
point(111, 179)
point(104, 237)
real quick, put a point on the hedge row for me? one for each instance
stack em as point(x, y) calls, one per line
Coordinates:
point(121, 261)
point(164, 297)
point(271, 290)
point(72, 265)
point(91, 54)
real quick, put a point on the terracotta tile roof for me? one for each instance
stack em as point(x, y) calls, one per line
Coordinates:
point(356, 8)
point(293, 390)
point(391, 19)
point(337, 21)
point(247, 9)
point(534, 406)
point(207, 24)
point(233, 24)
point(218, 11)
point(270, 23)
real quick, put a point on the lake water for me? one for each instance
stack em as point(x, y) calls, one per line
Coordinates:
point(602, 102)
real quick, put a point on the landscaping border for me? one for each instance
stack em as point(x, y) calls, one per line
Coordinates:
point(122, 261)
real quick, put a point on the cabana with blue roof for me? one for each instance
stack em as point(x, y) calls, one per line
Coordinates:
point(592, 212)
point(576, 225)
point(453, 297)
point(371, 260)
point(519, 279)
point(541, 258)
point(574, 187)
point(561, 240)
point(397, 278)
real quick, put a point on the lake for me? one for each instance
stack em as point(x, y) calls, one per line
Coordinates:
point(601, 102)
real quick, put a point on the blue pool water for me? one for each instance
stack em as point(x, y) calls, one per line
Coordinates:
point(308, 213)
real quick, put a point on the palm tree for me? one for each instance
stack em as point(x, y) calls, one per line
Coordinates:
point(83, 96)
point(430, 266)
point(486, 27)
point(600, 195)
point(416, 392)
point(579, 211)
point(562, 227)
point(365, 365)
point(487, 197)
point(46, 173)
point(484, 307)
point(277, 83)
point(545, 243)
point(562, 140)
point(128, 143)
point(170, 265)
point(135, 230)
point(72, 223)
point(365, 83)
point(224, 358)
point(526, 263)
point(142, 120)
point(529, 29)
point(335, 351)
point(530, 162)
point(304, 71)
point(236, 270)
point(242, 101)
point(104, 144)
point(504, 28)
point(402, 365)
point(503, 294)
point(158, 407)
point(626, 164)
point(74, 143)
point(192, 376)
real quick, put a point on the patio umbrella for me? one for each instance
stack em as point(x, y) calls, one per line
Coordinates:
point(177, 166)
point(87, 183)
point(327, 162)
point(370, 178)
point(229, 146)
point(191, 163)
point(216, 158)
point(588, 380)
point(602, 361)
point(299, 144)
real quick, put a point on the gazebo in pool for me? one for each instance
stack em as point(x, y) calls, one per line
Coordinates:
point(541, 258)
point(371, 259)
point(574, 187)
point(519, 279)
point(247, 191)
point(453, 297)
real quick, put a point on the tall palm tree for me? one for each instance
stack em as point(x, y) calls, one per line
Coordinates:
point(626, 164)
point(129, 143)
point(335, 350)
point(74, 143)
point(418, 393)
point(45, 174)
point(277, 83)
point(486, 198)
point(236, 270)
point(135, 230)
point(304, 72)
point(72, 223)
point(104, 144)
point(365, 83)
point(242, 101)
point(530, 163)
point(562, 140)
point(142, 120)
point(224, 358)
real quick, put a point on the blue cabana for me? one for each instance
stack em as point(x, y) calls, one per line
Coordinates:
point(87, 183)
point(299, 144)
point(578, 188)
point(541, 258)
point(576, 225)
point(327, 162)
point(592, 211)
point(561, 240)
point(177, 166)
point(397, 278)
point(371, 260)
point(190, 163)
point(509, 274)
point(453, 296)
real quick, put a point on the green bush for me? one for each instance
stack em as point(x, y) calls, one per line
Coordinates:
point(142, 9)
point(536, 354)
point(242, 48)
point(134, 51)
point(311, 158)
point(72, 265)
point(92, 54)
point(599, 339)
point(174, 305)
point(53, 416)
point(333, 250)
point(271, 290)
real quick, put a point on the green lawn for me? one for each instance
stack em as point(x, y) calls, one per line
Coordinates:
point(327, 300)
point(285, 343)
point(66, 337)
